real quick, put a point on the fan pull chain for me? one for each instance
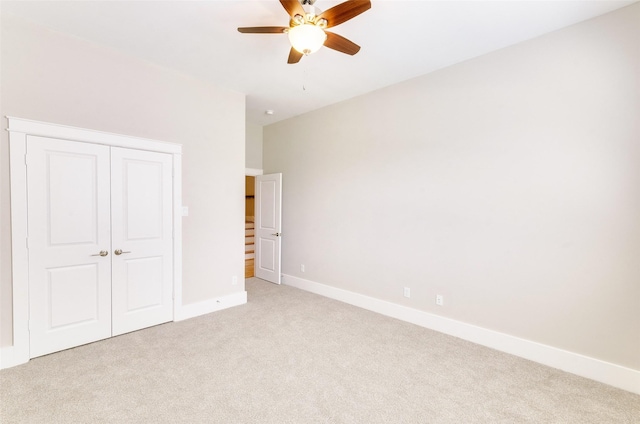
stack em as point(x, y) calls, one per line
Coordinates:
point(304, 77)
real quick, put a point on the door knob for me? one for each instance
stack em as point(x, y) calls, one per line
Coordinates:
point(120, 251)
point(102, 253)
point(276, 234)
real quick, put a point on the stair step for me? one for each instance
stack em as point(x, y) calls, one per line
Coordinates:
point(248, 268)
point(249, 247)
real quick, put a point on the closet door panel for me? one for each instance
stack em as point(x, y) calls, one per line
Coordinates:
point(142, 239)
point(69, 225)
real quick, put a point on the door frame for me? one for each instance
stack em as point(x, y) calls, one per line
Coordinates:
point(19, 129)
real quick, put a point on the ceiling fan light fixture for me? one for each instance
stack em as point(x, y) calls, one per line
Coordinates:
point(306, 38)
point(307, 24)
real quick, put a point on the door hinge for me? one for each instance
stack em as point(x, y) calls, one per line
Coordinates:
point(26, 160)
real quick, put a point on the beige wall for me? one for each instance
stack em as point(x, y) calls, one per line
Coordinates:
point(53, 77)
point(509, 184)
point(253, 152)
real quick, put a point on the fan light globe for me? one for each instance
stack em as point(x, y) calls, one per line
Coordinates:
point(307, 38)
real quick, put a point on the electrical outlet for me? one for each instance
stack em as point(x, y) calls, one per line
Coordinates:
point(439, 300)
point(234, 280)
point(302, 268)
point(407, 292)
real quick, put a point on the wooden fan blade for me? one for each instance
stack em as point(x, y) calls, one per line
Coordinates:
point(293, 7)
point(294, 56)
point(345, 11)
point(341, 44)
point(263, 30)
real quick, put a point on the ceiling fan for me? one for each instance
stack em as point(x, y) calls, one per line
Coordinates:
point(307, 26)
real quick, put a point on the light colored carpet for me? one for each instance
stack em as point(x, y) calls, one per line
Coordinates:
point(289, 356)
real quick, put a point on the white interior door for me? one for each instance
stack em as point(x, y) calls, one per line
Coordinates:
point(268, 223)
point(68, 221)
point(142, 239)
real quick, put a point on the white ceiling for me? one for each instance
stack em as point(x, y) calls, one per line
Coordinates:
point(400, 39)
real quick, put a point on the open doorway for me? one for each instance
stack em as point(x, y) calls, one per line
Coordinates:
point(249, 227)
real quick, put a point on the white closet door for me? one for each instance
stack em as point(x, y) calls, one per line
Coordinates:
point(268, 225)
point(142, 226)
point(68, 218)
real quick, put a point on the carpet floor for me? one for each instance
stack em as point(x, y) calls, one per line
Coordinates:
point(289, 356)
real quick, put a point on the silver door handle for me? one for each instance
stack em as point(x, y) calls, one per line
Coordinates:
point(120, 251)
point(277, 234)
point(102, 253)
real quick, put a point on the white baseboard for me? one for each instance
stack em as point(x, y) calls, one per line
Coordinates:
point(212, 305)
point(10, 356)
point(575, 363)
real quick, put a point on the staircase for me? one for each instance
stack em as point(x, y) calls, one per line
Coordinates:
point(249, 248)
